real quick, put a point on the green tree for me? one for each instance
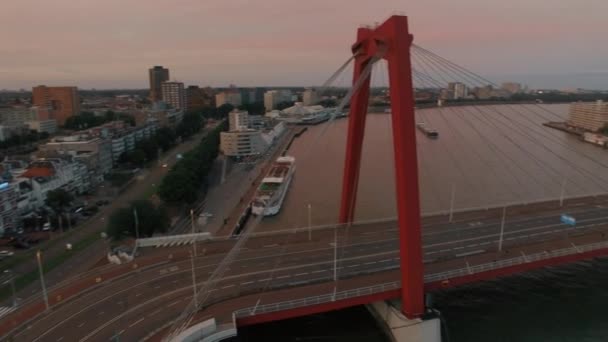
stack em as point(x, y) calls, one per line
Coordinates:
point(190, 124)
point(165, 137)
point(284, 104)
point(137, 157)
point(150, 220)
point(604, 130)
point(59, 200)
point(256, 108)
point(223, 110)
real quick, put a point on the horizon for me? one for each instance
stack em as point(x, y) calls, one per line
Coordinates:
point(537, 43)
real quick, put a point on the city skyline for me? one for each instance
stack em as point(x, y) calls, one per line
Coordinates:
point(539, 43)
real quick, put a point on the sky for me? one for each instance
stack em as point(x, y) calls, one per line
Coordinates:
point(112, 43)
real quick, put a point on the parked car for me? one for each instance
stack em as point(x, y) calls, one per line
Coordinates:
point(5, 254)
point(102, 202)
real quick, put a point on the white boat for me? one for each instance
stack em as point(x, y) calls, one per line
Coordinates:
point(271, 193)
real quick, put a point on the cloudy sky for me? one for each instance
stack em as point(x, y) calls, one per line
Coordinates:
point(111, 43)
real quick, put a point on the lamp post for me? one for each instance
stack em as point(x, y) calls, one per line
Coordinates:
point(309, 222)
point(44, 294)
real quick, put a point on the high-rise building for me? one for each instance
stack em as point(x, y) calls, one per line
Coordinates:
point(174, 94)
point(62, 102)
point(238, 120)
point(591, 116)
point(458, 90)
point(157, 75)
point(310, 97)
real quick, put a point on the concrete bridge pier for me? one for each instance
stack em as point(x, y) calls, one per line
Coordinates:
point(402, 329)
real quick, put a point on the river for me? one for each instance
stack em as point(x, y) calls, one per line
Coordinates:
point(485, 156)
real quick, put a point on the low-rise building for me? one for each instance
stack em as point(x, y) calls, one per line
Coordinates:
point(43, 126)
point(94, 152)
point(242, 143)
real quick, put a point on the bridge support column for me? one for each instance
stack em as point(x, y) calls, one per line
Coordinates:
point(391, 41)
point(403, 329)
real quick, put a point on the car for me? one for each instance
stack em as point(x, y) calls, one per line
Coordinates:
point(21, 245)
point(46, 227)
point(165, 165)
point(5, 253)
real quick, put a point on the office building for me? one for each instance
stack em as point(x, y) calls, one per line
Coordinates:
point(199, 98)
point(457, 90)
point(274, 97)
point(174, 94)
point(238, 120)
point(230, 96)
point(249, 142)
point(591, 116)
point(8, 207)
point(512, 87)
point(310, 97)
point(42, 126)
point(157, 76)
point(62, 102)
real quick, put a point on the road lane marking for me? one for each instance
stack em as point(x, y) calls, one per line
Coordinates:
point(317, 271)
point(136, 322)
point(137, 295)
point(227, 286)
point(247, 282)
point(155, 312)
point(100, 313)
point(301, 274)
point(284, 276)
point(59, 339)
point(177, 301)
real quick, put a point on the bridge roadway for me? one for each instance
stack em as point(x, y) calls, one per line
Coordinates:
point(284, 266)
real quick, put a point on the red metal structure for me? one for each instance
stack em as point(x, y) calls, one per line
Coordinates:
point(391, 41)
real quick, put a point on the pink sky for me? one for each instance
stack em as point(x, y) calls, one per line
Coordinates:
point(111, 43)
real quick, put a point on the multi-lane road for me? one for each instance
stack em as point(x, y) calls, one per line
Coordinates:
point(287, 265)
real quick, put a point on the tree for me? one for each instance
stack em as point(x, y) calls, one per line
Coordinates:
point(256, 108)
point(137, 157)
point(165, 138)
point(150, 220)
point(190, 124)
point(604, 130)
point(223, 110)
point(328, 103)
point(58, 200)
point(284, 104)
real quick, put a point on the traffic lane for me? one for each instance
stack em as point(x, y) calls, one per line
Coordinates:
point(472, 229)
point(83, 315)
point(148, 285)
point(235, 286)
point(520, 237)
point(367, 249)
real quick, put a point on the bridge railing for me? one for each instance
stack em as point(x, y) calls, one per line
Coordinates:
point(524, 258)
point(315, 300)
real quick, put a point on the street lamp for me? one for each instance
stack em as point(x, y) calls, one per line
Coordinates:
point(309, 222)
point(12, 281)
point(193, 237)
point(44, 294)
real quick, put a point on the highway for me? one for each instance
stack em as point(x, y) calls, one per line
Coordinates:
point(135, 305)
